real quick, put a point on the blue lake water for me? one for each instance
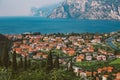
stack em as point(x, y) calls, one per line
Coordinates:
point(10, 25)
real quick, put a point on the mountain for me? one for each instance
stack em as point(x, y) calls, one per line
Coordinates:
point(44, 11)
point(88, 9)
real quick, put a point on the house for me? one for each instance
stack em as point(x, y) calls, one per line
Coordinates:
point(71, 52)
point(44, 55)
point(118, 56)
point(89, 58)
point(80, 58)
point(118, 76)
point(101, 57)
point(18, 50)
point(76, 70)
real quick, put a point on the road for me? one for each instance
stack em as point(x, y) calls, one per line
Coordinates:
point(109, 42)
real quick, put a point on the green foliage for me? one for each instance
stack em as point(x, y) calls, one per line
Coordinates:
point(4, 49)
point(5, 74)
point(116, 52)
point(62, 75)
point(115, 64)
point(29, 63)
point(41, 75)
point(49, 62)
point(100, 46)
point(5, 57)
point(56, 62)
point(0, 62)
point(14, 62)
point(56, 52)
point(117, 61)
point(21, 62)
point(25, 63)
point(32, 75)
point(91, 65)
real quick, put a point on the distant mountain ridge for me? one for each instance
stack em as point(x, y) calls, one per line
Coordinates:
point(88, 9)
point(44, 11)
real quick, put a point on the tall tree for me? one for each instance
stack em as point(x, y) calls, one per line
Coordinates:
point(25, 62)
point(5, 44)
point(29, 63)
point(14, 62)
point(5, 56)
point(21, 62)
point(56, 63)
point(50, 61)
point(0, 61)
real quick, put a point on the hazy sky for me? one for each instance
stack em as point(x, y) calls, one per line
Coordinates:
point(22, 7)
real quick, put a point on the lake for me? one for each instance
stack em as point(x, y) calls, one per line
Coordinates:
point(16, 25)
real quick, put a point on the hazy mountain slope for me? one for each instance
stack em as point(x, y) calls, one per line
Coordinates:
point(44, 11)
point(88, 9)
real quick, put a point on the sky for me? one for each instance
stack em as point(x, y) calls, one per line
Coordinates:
point(22, 7)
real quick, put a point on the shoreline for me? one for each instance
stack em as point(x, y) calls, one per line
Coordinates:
point(60, 33)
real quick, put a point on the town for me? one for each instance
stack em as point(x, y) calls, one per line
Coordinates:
point(91, 54)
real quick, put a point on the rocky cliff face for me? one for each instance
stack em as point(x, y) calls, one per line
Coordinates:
point(44, 11)
point(88, 9)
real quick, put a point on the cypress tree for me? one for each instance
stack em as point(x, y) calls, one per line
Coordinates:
point(5, 57)
point(0, 61)
point(29, 63)
point(14, 62)
point(5, 44)
point(43, 64)
point(21, 62)
point(25, 62)
point(50, 62)
point(56, 63)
